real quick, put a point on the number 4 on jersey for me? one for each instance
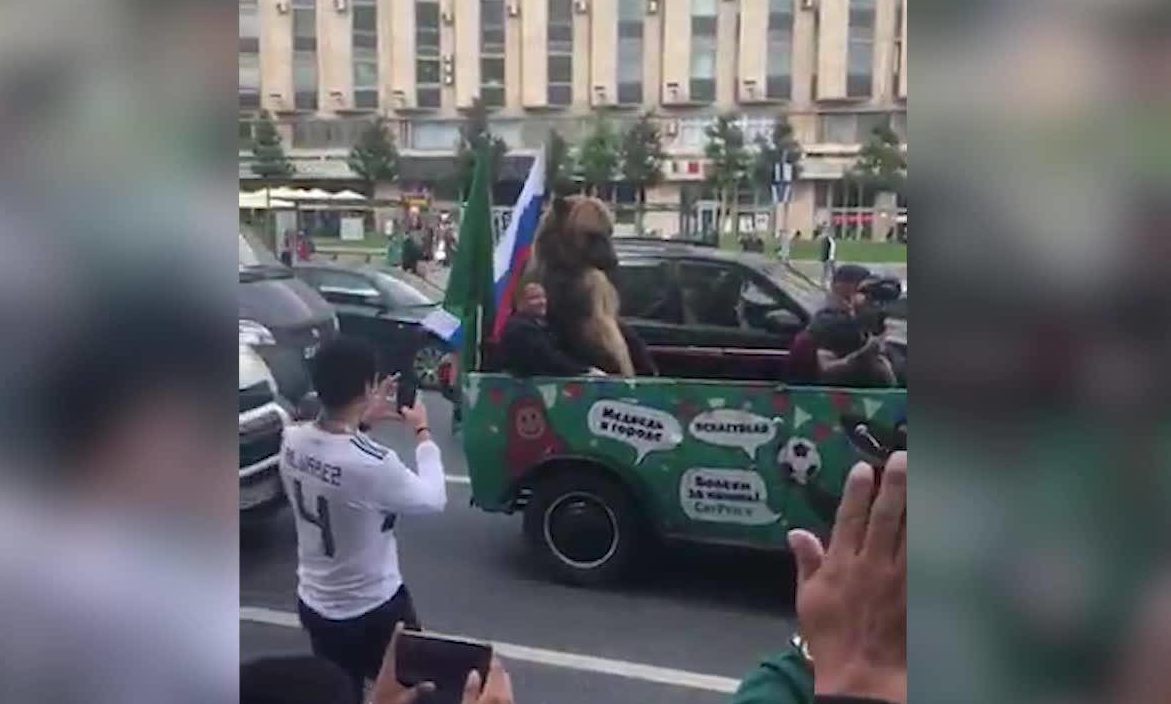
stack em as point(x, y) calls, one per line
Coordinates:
point(321, 520)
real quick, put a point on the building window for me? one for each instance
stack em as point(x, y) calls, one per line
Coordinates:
point(326, 134)
point(630, 30)
point(249, 55)
point(305, 54)
point(434, 136)
point(427, 72)
point(860, 54)
point(838, 128)
point(900, 8)
point(365, 56)
point(703, 51)
point(779, 78)
point(853, 128)
point(898, 124)
point(560, 55)
point(492, 53)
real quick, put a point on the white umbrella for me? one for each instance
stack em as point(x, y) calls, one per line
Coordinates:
point(258, 201)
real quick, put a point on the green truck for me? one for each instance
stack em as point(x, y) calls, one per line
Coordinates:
point(601, 468)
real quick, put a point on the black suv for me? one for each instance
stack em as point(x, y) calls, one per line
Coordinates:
point(711, 314)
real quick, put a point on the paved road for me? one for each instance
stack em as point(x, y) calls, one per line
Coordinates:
point(700, 611)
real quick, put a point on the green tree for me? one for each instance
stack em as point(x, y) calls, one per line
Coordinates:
point(642, 160)
point(599, 156)
point(729, 164)
point(270, 164)
point(881, 167)
point(476, 132)
point(560, 166)
point(375, 158)
point(778, 148)
point(882, 163)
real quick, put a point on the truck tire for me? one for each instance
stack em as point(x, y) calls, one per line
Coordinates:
point(583, 526)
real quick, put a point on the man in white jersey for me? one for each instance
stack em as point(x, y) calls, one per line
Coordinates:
point(347, 492)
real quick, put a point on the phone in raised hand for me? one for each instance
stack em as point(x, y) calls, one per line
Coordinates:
point(441, 660)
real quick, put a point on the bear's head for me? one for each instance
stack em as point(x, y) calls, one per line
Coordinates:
point(576, 233)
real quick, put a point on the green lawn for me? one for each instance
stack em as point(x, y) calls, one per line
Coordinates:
point(848, 250)
point(372, 240)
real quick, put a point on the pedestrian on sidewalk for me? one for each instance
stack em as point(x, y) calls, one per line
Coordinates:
point(827, 253)
point(347, 492)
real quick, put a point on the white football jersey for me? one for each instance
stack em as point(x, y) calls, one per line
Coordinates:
point(347, 491)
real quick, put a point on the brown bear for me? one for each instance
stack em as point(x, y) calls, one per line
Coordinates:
point(573, 254)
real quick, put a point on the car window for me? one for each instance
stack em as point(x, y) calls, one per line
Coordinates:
point(729, 296)
point(343, 282)
point(711, 293)
point(645, 290)
point(401, 294)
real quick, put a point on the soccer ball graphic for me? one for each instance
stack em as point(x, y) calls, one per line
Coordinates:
point(800, 459)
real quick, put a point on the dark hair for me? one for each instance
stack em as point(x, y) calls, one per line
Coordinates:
point(524, 282)
point(342, 370)
point(294, 679)
point(851, 274)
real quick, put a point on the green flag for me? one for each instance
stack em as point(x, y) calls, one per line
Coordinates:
point(467, 305)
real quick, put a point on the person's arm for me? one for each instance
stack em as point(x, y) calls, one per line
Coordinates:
point(395, 488)
point(823, 699)
point(534, 352)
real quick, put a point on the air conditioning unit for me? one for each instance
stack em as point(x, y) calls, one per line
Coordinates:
point(582, 6)
point(282, 6)
point(600, 96)
point(652, 6)
point(400, 100)
point(750, 89)
point(340, 5)
point(277, 100)
point(673, 92)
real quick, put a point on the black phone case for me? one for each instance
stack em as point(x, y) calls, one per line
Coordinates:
point(445, 663)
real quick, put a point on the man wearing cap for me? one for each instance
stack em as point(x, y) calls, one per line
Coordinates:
point(849, 353)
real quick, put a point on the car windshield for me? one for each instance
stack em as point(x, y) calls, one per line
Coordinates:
point(257, 263)
point(402, 294)
point(805, 290)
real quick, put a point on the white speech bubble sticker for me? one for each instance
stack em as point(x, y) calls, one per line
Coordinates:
point(645, 429)
point(726, 496)
point(731, 427)
point(548, 394)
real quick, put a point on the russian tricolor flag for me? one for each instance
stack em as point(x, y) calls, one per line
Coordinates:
point(516, 244)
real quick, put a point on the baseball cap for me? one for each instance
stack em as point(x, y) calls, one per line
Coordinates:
point(851, 274)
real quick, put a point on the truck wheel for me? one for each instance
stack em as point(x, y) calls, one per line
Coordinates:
point(583, 526)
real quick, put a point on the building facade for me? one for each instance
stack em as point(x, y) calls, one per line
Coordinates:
point(835, 68)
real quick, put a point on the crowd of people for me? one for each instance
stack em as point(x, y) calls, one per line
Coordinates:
point(348, 492)
point(424, 241)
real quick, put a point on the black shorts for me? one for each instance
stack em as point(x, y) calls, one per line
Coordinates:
point(358, 644)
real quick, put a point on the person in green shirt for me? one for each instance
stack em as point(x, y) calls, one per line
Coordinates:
point(851, 603)
point(784, 678)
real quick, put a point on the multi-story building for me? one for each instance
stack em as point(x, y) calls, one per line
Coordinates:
point(835, 68)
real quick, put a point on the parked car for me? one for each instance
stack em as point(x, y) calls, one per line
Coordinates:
point(282, 318)
point(386, 310)
point(263, 417)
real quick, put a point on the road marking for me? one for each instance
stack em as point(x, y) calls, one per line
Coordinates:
point(457, 479)
point(554, 658)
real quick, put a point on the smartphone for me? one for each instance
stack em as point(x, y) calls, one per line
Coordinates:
point(445, 662)
point(406, 391)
